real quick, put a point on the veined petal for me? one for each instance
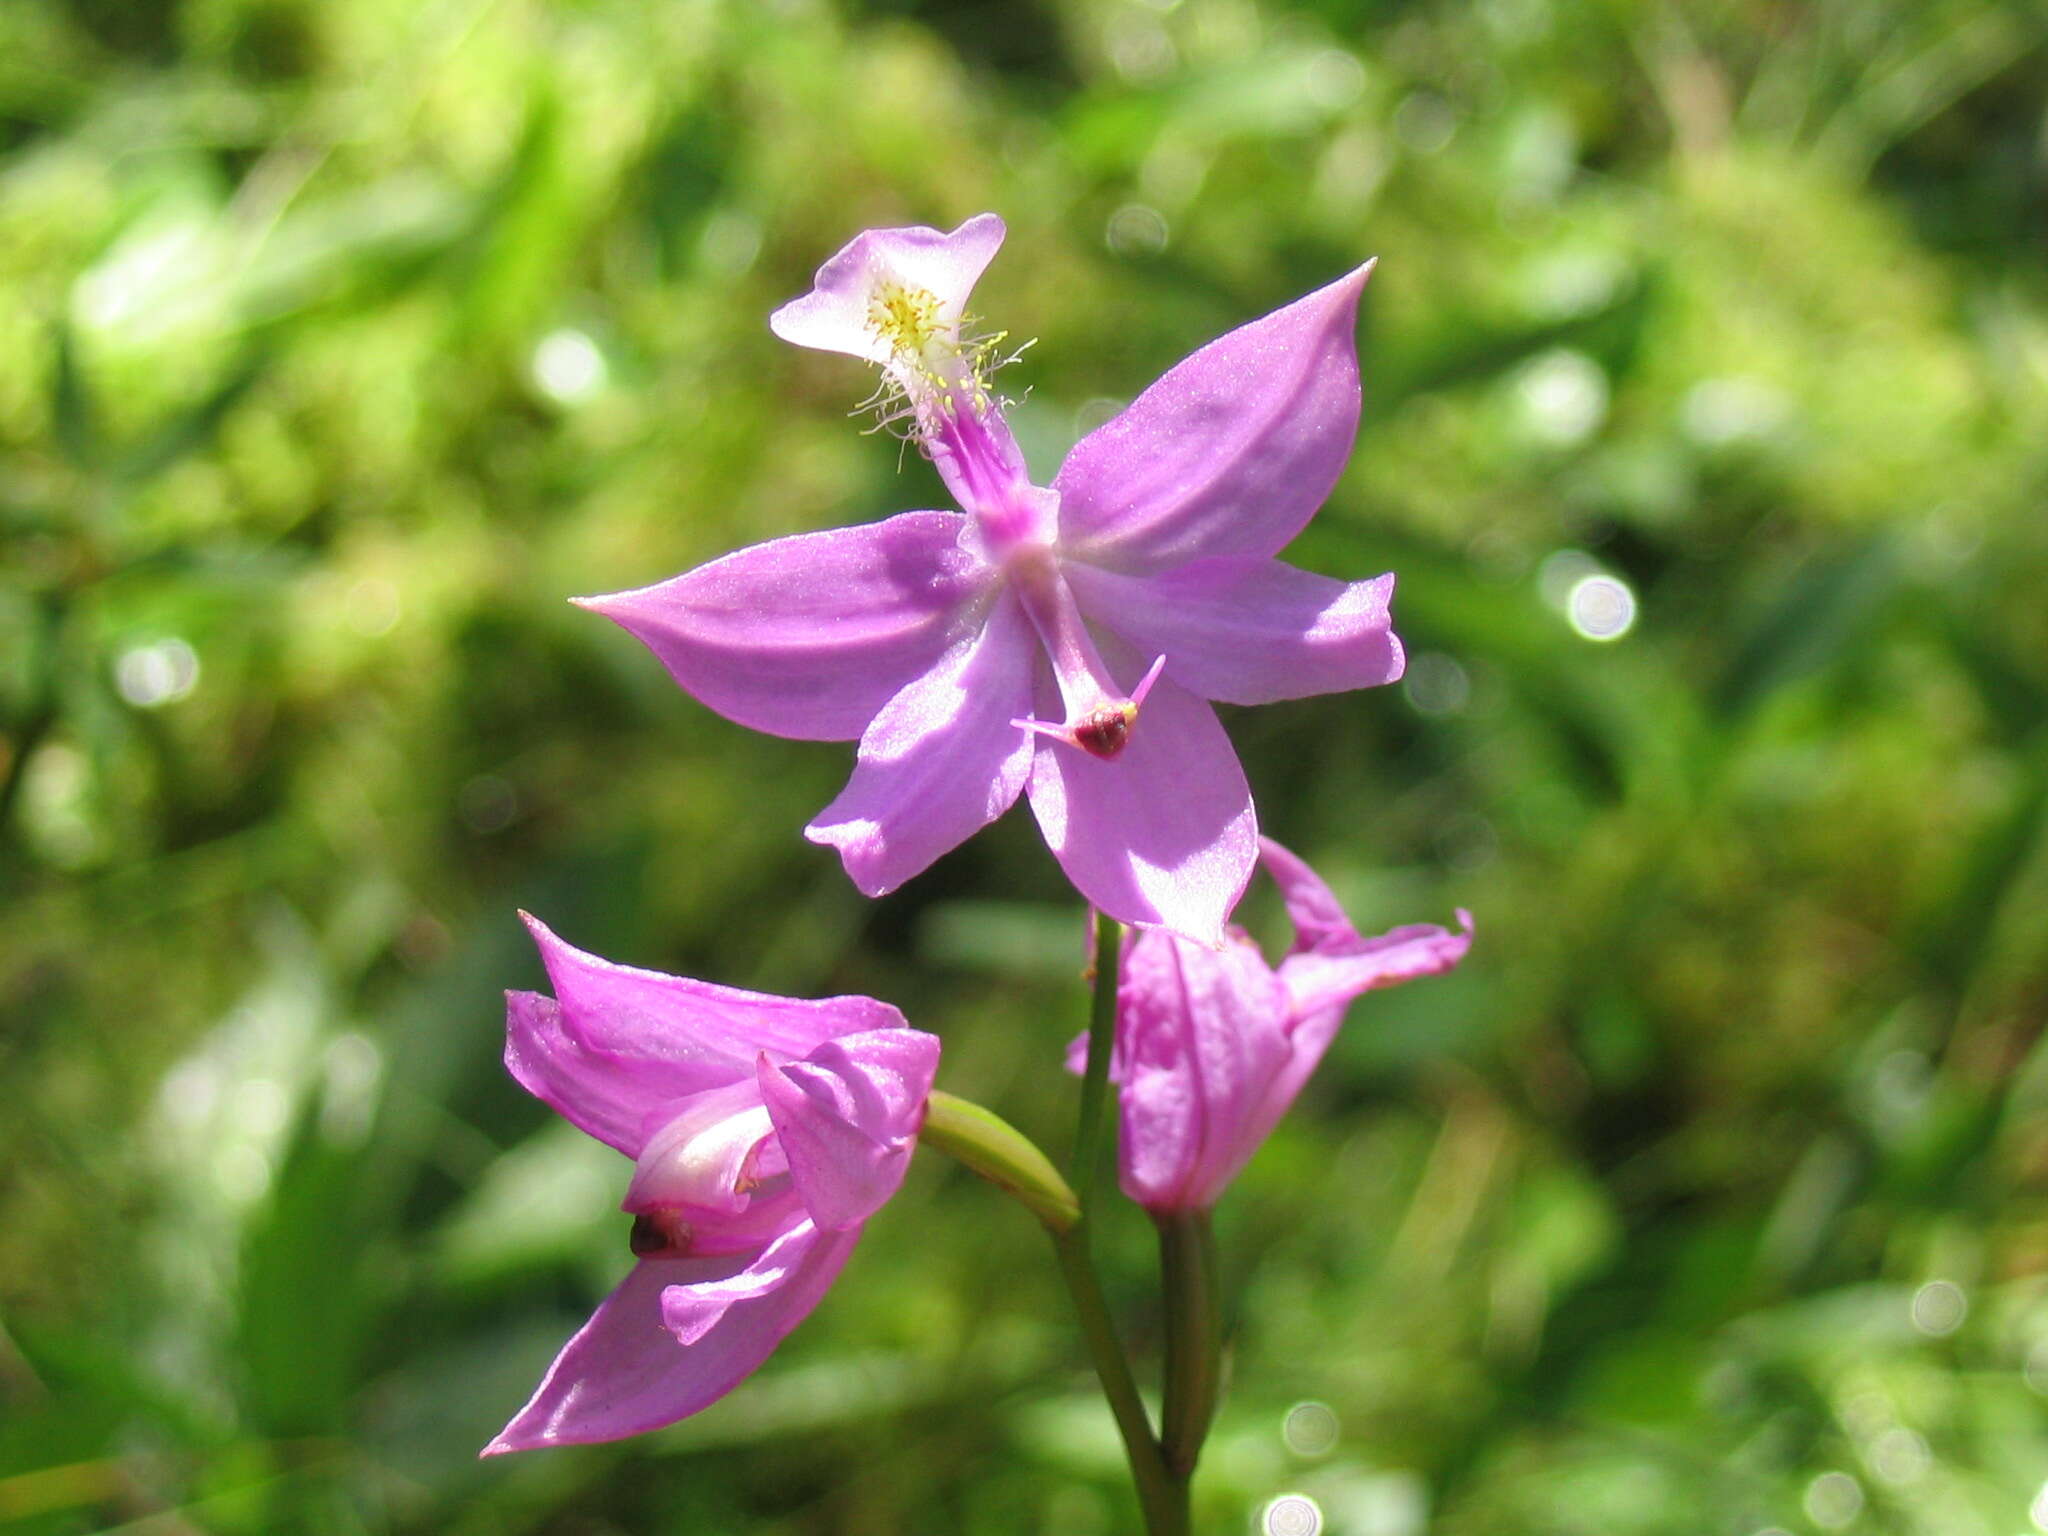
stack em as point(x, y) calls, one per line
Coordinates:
point(592, 1090)
point(940, 761)
point(691, 1311)
point(625, 1373)
point(1203, 1036)
point(1249, 631)
point(1163, 834)
point(1319, 921)
point(1322, 981)
point(615, 1044)
point(838, 314)
point(847, 1116)
point(1231, 451)
point(811, 635)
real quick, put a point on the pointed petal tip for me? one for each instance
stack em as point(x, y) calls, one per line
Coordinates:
point(509, 1440)
point(845, 838)
point(607, 605)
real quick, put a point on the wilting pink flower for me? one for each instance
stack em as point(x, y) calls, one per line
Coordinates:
point(763, 1130)
point(1010, 650)
point(1212, 1044)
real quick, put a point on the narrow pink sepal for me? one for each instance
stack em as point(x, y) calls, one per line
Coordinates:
point(624, 1372)
point(621, 1042)
point(809, 636)
point(1231, 451)
point(940, 762)
point(1246, 631)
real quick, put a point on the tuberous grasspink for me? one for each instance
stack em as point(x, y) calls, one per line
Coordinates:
point(1063, 643)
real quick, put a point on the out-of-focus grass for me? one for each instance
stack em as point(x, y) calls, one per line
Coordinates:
point(347, 338)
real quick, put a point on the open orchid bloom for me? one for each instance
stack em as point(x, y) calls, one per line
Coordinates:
point(1213, 1044)
point(763, 1131)
point(1011, 648)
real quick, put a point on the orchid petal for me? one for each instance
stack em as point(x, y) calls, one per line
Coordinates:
point(616, 1044)
point(625, 1373)
point(1231, 451)
point(809, 636)
point(1248, 631)
point(1164, 832)
point(1321, 981)
point(1204, 1037)
point(835, 315)
point(691, 1311)
point(940, 761)
point(590, 1090)
point(1312, 907)
point(847, 1116)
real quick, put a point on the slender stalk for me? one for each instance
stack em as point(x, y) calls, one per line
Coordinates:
point(1194, 1337)
point(1090, 1135)
point(1162, 1497)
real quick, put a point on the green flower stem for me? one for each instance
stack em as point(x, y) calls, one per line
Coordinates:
point(1194, 1337)
point(1162, 1497)
point(993, 1148)
point(1091, 1136)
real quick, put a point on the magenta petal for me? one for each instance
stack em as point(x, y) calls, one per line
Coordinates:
point(1249, 631)
point(847, 1116)
point(809, 636)
point(616, 1044)
point(1319, 922)
point(625, 1373)
point(835, 316)
point(589, 1090)
point(941, 760)
point(1229, 453)
point(1203, 1037)
point(1161, 834)
point(1322, 981)
point(691, 1311)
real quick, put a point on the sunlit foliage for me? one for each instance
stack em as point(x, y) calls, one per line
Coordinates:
point(344, 339)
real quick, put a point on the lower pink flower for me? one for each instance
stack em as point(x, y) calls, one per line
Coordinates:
point(764, 1131)
point(1213, 1044)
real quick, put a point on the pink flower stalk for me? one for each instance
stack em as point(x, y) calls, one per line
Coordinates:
point(763, 1130)
point(1012, 649)
point(1213, 1044)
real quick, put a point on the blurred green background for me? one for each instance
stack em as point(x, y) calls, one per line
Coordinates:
point(344, 339)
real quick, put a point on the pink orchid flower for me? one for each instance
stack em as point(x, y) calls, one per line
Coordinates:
point(1012, 648)
point(1213, 1044)
point(763, 1131)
